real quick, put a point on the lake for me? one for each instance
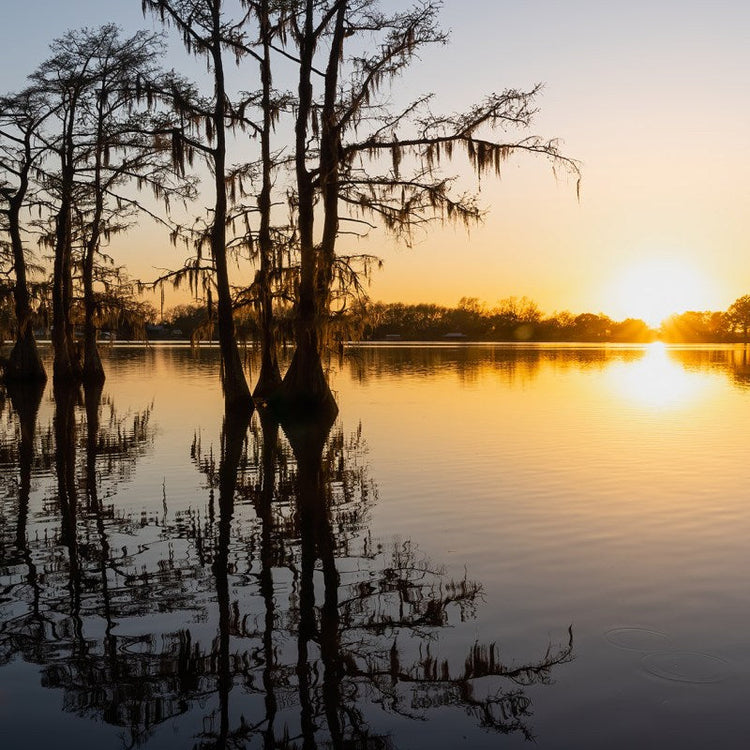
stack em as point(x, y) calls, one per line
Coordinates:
point(492, 545)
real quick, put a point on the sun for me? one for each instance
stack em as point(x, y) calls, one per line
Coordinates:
point(652, 289)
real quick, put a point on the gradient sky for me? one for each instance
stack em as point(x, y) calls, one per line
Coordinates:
point(651, 97)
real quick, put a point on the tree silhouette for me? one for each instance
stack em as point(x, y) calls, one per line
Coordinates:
point(366, 163)
point(126, 145)
point(738, 316)
point(269, 378)
point(74, 141)
point(208, 33)
point(21, 149)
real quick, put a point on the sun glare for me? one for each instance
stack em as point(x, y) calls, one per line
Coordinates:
point(656, 381)
point(654, 289)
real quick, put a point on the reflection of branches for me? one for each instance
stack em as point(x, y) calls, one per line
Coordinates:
point(350, 650)
point(73, 576)
point(732, 362)
point(273, 590)
point(429, 683)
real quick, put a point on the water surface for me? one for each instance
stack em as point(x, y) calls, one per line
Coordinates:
point(491, 545)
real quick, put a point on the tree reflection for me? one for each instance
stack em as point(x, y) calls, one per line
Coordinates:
point(732, 362)
point(365, 618)
point(741, 370)
point(268, 618)
point(65, 572)
point(19, 451)
point(512, 364)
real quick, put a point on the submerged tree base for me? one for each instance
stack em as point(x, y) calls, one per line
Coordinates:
point(67, 366)
point(237, 396)
point(67, 373)
point(26, 396)
point(302, 408)
point(238, 406)
point(269, 383)
point(93, 370)
point(307, 438)
point(24, 363)
point(304, 395)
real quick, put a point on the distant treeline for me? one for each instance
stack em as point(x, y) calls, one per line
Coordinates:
point(520, 319)
point(512, 319)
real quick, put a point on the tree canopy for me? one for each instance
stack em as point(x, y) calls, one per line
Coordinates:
point(295, 176)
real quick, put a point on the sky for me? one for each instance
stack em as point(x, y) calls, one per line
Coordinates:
point(650, 98)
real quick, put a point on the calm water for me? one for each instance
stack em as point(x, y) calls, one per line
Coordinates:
point(491, 545)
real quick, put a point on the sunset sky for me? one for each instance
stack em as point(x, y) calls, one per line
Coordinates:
point(650, 97)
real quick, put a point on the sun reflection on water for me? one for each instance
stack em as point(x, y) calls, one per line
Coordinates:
point(657, 381)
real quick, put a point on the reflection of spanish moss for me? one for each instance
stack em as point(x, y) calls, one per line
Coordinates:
point(70, 566)
point(366, 618)
point(16, 460)
point(15, 553)
point(67, 499)
point(119, 440)
point(274, 618)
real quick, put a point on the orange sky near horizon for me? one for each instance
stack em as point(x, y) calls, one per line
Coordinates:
point(648, 97)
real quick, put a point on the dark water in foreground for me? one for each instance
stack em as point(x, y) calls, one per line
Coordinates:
point(490, 545)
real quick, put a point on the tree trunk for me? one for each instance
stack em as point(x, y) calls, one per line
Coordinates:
point(24, 362)
point(305, 391)
point(330, 149)
point(269, 379)
point(93, 371)
point(236, 391)
point(67, 365)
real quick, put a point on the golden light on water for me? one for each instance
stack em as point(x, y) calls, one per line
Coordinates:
point(656, 381)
